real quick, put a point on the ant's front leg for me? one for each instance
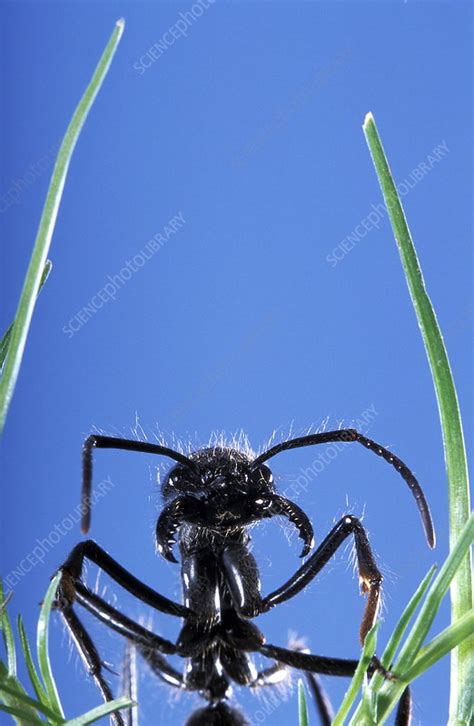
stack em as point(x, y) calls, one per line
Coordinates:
point(90, 550)
point(123, 625)
point(146, 641)
point(242, 579)
point(369, 575)
point(72, 590)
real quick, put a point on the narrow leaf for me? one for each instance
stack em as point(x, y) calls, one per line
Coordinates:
point(5, 341)
point(434, 598)
point(46, 227)
point(34, 678)
point(400, 628)
point(7, 633)
point(368, 651)
point(23, 714)
point(31, 702)
point(101, 711)
point(441, 645)
point(302, 705)
point(391, 691)
point(12, 693)
point(462, 660)
point(42, 646)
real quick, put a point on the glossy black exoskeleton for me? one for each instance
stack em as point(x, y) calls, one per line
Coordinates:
point(211, 498)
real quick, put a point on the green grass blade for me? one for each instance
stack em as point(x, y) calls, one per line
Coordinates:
point(390, 691)
point(4, 344)
point(26, 701)
point(434, 598)
point(5, 341)
point(101, 711)
point(368, 651)
point(34, 678)
point(24, 716)
point(462, 662)
point(43, 649)
point(46, 226)
point(13, 693)
point(441, 645)
point(4, 601)
point(7, 633)
point(400, 628)
point(302, 705)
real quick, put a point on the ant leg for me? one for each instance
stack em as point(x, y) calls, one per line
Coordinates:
point(240, 571)
point(238, 666)
point(271, 676)
point(335, 667)
point(317, 690)
point(90, 550)
point(90, 657)
point(369, 575)
point(145, 641)
point(312, 663)
point(70, 592)
point(403, 717)
point(277, 673)
point(161, 667)
point(321, 699)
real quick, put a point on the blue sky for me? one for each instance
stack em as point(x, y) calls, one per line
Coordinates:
point(224, 168)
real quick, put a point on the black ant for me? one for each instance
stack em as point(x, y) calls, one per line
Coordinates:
point(211, 498)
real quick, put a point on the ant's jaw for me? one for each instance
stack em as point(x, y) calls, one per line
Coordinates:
point(233, 506)
point(290, 510)
point(182, 509)
point(226, 510)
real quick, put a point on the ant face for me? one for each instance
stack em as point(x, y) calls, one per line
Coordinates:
point(226, 490)
point(222, 489)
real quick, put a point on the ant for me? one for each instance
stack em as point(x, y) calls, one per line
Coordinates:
point(211, 498)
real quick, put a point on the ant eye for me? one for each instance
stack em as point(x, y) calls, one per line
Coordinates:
point(265, 474)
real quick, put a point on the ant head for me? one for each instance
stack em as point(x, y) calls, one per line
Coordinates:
point(229, 492)
point(222, 490)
